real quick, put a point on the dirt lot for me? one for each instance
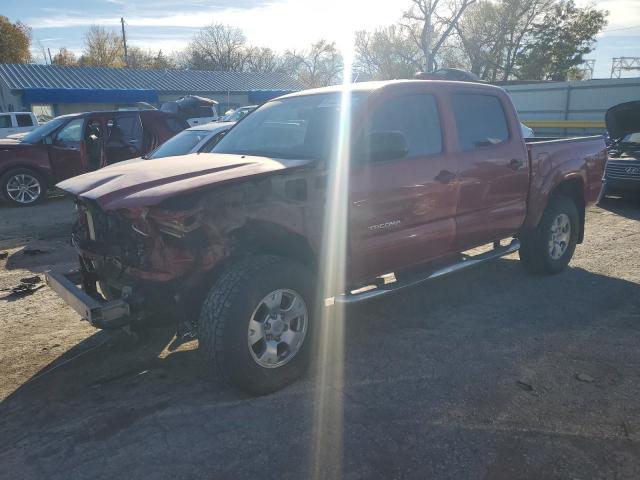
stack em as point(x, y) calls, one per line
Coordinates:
point(491, 374)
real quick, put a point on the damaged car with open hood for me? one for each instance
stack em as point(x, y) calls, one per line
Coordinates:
point(233, 243)
point(622, 174)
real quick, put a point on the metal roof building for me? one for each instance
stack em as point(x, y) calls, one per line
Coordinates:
point(74, 89)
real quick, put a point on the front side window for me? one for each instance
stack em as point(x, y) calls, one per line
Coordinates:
point(480, 119)
point(24, 120)
point(416, 117)
point(303, 127)
point(36, 135)
point(72, 132)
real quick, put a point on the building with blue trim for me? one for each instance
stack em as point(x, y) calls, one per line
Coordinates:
point(51, 90)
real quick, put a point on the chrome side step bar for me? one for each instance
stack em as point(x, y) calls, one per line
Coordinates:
point(417, 279)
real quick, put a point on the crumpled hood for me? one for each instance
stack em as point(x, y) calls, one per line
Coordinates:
point(623, 119)
point(144, 184)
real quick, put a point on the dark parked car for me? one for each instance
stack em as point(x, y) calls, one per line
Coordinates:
point(78, 143)
point(622, 174)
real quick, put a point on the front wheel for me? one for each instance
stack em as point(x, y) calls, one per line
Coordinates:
point(23, 187)
point(549, 248)
point(256, 324)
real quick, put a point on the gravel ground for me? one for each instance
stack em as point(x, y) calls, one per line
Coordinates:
point(489, 374)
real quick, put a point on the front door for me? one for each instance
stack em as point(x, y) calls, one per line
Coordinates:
point(402, 210)
point(67, 150)
point(494, 175)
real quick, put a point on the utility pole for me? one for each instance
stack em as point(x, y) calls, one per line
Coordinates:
point(124, 42)
point(50, 61)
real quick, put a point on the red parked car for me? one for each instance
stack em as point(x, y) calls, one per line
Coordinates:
point(78, 143)
point(231, 241)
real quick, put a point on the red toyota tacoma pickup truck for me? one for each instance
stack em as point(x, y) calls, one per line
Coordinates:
point(231, 241)
point(77, 143)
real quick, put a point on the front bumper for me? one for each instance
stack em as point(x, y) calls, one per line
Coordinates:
point(622, 184)
point(101, 314)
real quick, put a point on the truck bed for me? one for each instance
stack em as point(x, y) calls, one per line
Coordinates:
point(581, 159)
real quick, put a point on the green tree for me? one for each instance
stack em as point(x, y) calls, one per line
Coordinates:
point(560, 40)
point(15, 40)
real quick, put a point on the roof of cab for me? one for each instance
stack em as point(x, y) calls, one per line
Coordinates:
point(377, 85)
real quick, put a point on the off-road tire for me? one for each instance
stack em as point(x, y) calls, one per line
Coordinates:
point(225, 315)
point(534, 250)
point(26, 171)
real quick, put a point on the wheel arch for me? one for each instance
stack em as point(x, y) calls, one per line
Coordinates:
point(46, 177)
point(265, 238)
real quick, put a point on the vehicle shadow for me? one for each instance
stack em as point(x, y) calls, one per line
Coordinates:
point(430, 349)
point(627, 206)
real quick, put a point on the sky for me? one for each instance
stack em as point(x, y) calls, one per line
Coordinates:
point(279, 24)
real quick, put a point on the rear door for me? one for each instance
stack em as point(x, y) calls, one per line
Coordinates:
point(402, 211)
point(494, 174)
point(66, 151)
point(124, 138)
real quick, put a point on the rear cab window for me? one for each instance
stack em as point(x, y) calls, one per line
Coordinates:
point(24, 120)
point(416, 117)
point(480, 119)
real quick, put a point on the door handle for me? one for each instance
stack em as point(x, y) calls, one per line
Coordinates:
point(445, 176)
point(515, 164)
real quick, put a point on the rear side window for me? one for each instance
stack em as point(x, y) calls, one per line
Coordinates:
point(24, 120)
point(416, 116)
point(480, 119)
point(5, 121)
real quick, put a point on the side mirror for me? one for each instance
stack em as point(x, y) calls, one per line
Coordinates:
point(47, 140)
point(387, 145)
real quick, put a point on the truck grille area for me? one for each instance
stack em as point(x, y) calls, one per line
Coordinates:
point(623, 169)
point(108, 235)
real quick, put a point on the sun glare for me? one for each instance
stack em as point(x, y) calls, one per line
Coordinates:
point(327, 451)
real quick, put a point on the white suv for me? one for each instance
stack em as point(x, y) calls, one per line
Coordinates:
point(12, 123)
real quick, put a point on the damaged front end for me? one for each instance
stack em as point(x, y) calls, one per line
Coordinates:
point(137, 263)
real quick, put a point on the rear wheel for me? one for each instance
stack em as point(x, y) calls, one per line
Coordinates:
point(23, 187)
point(549, 248)
point(256, 324)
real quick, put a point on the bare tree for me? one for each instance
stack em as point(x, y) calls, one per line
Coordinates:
point(262, 59)
point(65, 58)
point(387, 53)
point(147, 59)
point(319, 66)
point(102, 48)
point(433, 22)
point(218, 47)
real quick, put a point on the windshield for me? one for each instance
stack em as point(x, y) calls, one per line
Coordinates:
point(297, 127)
point(181, 144)
point(632, 138)
point(36, 135)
